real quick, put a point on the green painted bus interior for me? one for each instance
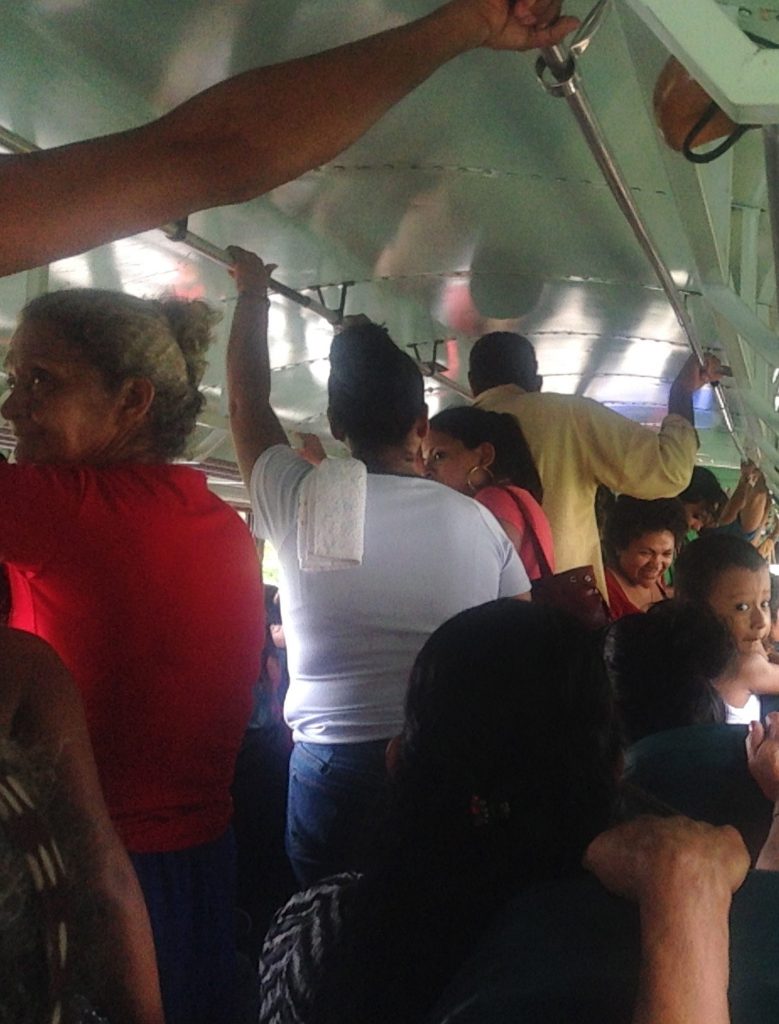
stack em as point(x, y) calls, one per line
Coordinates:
point(475, 205)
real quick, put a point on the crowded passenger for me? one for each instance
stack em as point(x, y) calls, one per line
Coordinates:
point(109, 960)
point(703, 499)
point(727, 574)
point(665, 668)
point(148, 587)
point(577, 444)
point(745, 511)
point(412, 554)
point(490, 807)
point(244, 136)
point(485, 455)
point(640, 540)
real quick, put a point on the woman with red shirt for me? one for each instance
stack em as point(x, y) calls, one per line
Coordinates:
point(147, 586)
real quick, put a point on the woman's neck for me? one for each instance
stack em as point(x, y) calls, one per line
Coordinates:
point(399, 460)
point(642, 597)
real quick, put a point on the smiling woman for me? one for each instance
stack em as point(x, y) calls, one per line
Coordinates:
point(640, 541)
point(97, 529)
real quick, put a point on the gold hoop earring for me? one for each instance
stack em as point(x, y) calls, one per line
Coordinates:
point(472, 487)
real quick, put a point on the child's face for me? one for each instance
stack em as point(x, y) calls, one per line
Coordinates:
point(741, 598)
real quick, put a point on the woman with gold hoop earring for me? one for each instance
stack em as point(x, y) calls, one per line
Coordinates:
point(484, 454)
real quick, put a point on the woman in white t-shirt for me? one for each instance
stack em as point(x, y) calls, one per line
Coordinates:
point(353, 633)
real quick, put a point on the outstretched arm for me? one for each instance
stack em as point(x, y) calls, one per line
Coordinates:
point(682, 874)
point(253, 422)
point(244, 136)
point(40, 707)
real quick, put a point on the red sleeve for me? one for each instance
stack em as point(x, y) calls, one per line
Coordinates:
point(35, 501)
point(619, 605)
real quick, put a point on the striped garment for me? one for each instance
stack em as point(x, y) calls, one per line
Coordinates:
point(298, 940)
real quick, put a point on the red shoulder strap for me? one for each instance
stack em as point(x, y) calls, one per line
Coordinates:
point(543, 561)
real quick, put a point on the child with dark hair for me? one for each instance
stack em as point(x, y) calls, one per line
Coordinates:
point(726, 574)
point(665, 668)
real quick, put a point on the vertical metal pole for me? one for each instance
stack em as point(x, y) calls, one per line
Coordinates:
point(562, 66)
point(771, 150)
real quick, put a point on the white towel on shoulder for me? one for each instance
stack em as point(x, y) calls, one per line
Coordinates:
point(331, 515)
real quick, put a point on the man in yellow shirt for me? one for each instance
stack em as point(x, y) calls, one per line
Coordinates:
point(578, 443)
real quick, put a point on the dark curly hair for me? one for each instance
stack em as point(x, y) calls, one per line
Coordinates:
point(503, 357)
point(630, 518)
point(663, 665)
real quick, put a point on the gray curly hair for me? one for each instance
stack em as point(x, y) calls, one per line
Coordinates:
point(163, 340)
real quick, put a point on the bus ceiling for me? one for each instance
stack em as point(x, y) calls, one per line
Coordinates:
point(480, 202)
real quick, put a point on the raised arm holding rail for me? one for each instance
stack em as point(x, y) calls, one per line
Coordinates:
point(244, 136)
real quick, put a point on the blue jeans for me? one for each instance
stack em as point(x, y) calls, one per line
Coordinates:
point(336, 792)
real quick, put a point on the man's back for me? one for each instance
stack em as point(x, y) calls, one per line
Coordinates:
point(577, 444)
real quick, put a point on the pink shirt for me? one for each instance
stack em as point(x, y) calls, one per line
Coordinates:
point(504, 503)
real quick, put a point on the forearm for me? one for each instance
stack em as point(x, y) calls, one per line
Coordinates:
point(318, 105)
point(752, 515)
point(685, 965)
point(131, 993)
point(50, 717)
point(734, 504)
point(253, 423)
point(680, 402)
point(230, 143)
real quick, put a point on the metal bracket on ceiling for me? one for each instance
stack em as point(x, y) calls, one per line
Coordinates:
point(344, 288)
point(565, 78)
point(178, 231)
point(437, 371)
point(429, 367)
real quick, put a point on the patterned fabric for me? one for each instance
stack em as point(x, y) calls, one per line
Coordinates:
point(292, 959)
point(31, 836)
point(90, 1016)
